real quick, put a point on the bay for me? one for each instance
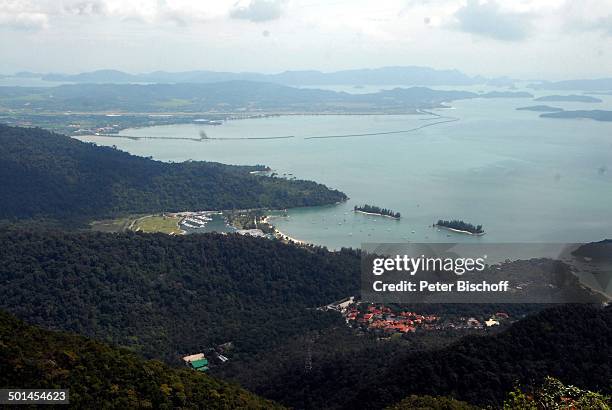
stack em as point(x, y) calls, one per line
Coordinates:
point(524, 178)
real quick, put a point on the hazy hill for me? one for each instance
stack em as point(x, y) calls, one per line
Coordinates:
point(540, 108)
point(410, 75)
point(99, 376)
point(51, 175)
point(599, 84)
point(230, 96)
point(597, 115)
point(570, 98)
point(597, 251)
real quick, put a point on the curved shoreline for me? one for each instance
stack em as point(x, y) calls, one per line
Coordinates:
point(434, 116)
point(383, 133)
point(459, 230)
point(144, 137)
point(373, 213)
point(281, 235)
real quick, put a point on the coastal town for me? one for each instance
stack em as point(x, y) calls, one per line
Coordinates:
point(387, 320)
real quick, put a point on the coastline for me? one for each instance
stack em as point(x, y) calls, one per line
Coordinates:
point(281, 235)
point(459, 230)
point(373, 213)
point(231, 116)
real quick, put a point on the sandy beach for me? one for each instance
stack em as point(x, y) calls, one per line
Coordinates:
point(459, 231)
point(279, 234)
point(375, 214)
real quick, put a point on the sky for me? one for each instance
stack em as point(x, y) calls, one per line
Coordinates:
point(527, 39)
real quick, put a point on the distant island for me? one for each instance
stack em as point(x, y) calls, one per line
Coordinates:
point(375, 210)
point(598, 84)
point(507, 94)
point(460, 226)
point(597, 115)
point(192, 100)
point(570, 98)
point(540, 108)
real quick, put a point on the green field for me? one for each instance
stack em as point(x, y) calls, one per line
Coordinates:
point(112, 225)
point(157, 223)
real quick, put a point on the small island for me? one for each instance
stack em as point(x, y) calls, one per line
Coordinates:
point(375, 210)
point(540, 108)
point(460, 226)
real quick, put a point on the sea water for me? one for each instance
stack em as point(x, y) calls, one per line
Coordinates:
point(524, 178)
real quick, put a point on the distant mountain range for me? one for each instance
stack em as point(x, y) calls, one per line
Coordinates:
point(394, 75)
point(409, 75)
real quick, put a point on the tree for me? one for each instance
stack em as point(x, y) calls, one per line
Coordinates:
point(553, 394)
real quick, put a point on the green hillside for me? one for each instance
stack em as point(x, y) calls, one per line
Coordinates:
point(166, 296)
point(99, 376)
point(569, 342)
point(50, 175)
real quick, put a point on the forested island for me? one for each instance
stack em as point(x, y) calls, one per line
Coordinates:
point(460, 226)
point(597, 115)
point(375, 210)
point(49, 175)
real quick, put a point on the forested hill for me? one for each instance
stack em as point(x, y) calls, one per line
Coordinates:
point(165, 296)
point(572, 343)
point(51, 175)
point(99, 376)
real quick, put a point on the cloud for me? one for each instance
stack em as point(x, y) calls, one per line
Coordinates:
point(38, 14)
point(258, 10)
point(587, 16)
point(489, 20)
point(24, 21)
point(21, 15)
point(85, 8)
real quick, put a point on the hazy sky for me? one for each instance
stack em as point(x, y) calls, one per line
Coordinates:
point(524, 38)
